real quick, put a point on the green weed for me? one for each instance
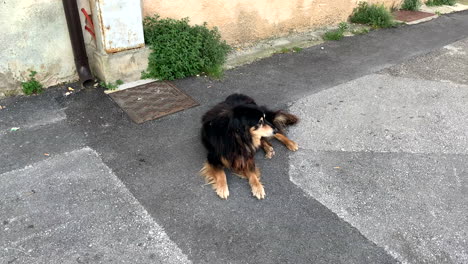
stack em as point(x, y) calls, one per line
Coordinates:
point(296, 49)
point(440, 2)
point(343, 26)
point(288, 50)
point(32, 86)
point(336, 34)
point(110, 85)
point(373, 15)
point(412, 5)
point(180, 50)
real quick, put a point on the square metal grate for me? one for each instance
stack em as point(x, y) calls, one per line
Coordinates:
point(152, 100)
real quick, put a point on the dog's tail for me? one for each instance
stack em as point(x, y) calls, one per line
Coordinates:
point(283, 120)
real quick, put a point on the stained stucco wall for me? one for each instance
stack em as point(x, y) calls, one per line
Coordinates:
point(34, 37)
point(244, 21)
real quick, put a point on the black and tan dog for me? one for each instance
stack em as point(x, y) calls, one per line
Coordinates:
point(232, 132)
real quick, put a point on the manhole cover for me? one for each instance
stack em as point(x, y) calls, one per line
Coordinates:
point(152, 100)
point(409, 16)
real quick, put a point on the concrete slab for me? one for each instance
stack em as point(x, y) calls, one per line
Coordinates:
point(72, 209)
point(445, 64)
point(378, 113)
point(413, 205)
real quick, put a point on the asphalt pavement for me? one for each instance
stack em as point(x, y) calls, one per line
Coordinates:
point(381, 175)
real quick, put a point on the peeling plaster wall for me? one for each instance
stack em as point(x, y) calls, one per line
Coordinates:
point(245, 21)
point(34, 37)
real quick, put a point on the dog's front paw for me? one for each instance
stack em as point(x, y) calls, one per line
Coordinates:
point(258, 191)
point(292, 146)
point(222, 192)
point(270, 153)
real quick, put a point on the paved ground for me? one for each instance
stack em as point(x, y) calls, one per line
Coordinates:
point(381, 176)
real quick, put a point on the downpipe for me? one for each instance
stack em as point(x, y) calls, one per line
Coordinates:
point(76, 37)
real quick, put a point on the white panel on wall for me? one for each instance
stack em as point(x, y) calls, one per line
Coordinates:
point(121, 24)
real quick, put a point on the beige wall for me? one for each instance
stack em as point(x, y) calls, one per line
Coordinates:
point(244, 21)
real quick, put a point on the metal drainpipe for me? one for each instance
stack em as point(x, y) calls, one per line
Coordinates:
point(77, 42)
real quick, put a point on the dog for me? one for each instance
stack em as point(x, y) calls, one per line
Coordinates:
point(232, 132)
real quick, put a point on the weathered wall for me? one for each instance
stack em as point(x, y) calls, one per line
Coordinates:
point(35, 34)
point(34, 37)
point(244, 21)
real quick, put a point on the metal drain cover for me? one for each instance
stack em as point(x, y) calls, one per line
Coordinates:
point(152, 100)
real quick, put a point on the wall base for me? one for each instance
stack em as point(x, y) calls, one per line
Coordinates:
point(125, 65)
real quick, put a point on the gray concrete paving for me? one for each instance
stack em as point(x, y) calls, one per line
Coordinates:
point(158, 161)
point(446, 64)
point(386, 114)
point(388, 155)
point(73, 209)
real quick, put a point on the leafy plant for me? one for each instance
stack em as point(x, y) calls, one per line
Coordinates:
point(440, 2)
point(110, 85)
point(412, 5)
point(32, 86)
point(337, 34)
point(438, 13)
point(373, 15)
point(180, 50)
point(343, 26)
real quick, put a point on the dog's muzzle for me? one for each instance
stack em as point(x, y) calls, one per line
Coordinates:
point(275, 130)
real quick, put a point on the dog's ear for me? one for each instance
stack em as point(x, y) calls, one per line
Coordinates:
point(234, 124)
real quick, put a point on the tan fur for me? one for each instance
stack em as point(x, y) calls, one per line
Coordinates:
point(291, 145)
point(268, 148)
point(217, 178)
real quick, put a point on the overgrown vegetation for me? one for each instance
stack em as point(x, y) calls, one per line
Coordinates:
point(374, 15)
point(288, 50)
point(110, 85)
point(32, 86)
point(412, 5)
point(180, 50)
point(343, 26)
point(440, 2)
point(336, 34)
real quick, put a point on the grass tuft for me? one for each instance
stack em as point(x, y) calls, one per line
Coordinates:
point(440, 2)
point(336, 34)
point(374, 15)
point(411, 5)
point(32, 86)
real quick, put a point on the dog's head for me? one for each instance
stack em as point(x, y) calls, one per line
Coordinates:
point(251, 118)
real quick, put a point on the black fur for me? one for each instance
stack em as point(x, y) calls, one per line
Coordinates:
point(225, 130)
